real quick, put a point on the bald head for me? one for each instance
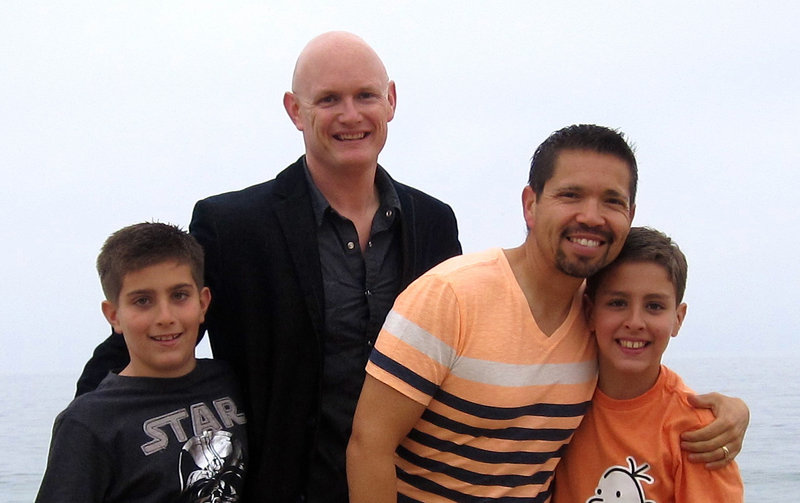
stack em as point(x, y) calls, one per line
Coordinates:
point(341, 100)
point(331, 48)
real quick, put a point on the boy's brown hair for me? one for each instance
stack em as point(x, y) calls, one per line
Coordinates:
point(141, 245)
point(648, 245)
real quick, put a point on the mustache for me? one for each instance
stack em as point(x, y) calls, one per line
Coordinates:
point(601, 232)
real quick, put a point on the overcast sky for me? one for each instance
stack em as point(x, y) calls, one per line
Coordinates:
point(113, 113)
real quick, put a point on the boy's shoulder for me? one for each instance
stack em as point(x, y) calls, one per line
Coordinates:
point(114, 391)
point(677, 393)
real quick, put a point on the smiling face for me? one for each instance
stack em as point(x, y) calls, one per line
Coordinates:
point(159, 311)
point(634, 314)
point(580, 221)
point(342, 101)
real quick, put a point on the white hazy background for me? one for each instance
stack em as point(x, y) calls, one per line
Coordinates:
point(113, 113)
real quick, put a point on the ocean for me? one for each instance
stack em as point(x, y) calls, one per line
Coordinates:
point(769, 462)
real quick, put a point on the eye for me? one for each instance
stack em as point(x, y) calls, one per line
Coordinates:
point(181, 295)
point(655, 306)
point(141, 301)
point(328, 99)
point(569, 194)
point(617, 201)
point(617, 303)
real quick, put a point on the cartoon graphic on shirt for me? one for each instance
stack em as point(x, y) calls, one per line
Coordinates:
point(623, 484)
point(215, 470)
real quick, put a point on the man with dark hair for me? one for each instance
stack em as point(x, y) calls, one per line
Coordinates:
point(305, 267)
point(581, 137)
point(485, 367)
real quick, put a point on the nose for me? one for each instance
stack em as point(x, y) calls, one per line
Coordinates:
point(164, 315)
point(590, 213)
point(634, 321)
point(349, 111)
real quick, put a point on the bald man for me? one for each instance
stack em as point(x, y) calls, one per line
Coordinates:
point(304, 268)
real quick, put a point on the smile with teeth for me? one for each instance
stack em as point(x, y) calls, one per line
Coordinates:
point(631, 344)
point(591, 243)
point(350, 136)
point(165, 338)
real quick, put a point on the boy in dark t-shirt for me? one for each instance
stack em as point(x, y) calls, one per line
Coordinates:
point(167, 427)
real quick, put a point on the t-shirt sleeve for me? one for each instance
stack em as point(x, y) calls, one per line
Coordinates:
point(419, 340)
point(78, 466)
point(694, 482)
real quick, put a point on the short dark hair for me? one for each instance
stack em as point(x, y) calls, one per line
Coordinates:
point(647, 245)
point(580, 137)
point(141, 245)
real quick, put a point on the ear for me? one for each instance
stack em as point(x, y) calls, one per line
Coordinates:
point(392, 97)
point(292, 106)
point(680, 314)
point(110, 312)
point(205, 300)
point(529, 206)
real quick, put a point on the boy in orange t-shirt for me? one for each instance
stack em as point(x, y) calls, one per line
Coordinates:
point(628, 446)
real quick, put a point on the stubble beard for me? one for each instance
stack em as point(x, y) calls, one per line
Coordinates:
point(580, 268)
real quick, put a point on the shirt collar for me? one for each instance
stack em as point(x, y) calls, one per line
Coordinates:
point(387, 195)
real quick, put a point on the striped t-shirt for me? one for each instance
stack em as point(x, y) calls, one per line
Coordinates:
point(502, 397)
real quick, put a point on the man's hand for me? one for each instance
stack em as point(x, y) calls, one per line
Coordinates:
point(727, 430)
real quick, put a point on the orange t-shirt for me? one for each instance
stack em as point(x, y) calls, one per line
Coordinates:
point(630, 449)
point(502, 397)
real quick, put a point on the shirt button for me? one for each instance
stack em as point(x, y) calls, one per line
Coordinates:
point(369, 244)
point(351, 245)
point(369, 343)
point(368, 293)
point(389, 213)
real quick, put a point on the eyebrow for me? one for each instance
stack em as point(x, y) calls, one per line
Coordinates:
point(141, 291)
point(625, 293)
point(581, 188)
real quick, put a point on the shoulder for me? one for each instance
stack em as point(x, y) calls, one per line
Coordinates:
point(463, 276)
point(421, 200)
point(84, 414)
point(288, 181)
point(484, 266)
point(234, 216)
point(683, 415)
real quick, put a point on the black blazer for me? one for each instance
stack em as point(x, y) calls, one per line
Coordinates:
point(266, 313)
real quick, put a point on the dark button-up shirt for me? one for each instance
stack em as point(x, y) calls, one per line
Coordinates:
point(359, 290)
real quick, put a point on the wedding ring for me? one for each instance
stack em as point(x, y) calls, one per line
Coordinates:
point(726, 452)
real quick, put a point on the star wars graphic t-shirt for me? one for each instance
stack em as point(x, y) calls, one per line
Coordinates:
point(143, 439)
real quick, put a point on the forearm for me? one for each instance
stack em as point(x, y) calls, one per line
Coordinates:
point(383, 418)
point(371, 477)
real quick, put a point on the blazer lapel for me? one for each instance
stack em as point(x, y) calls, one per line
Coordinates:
point(299, 229)
point(408, 236)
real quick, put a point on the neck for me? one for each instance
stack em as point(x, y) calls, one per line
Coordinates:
point(349, 191)
point(549, 292)
point(621, 385)
point(352, 193)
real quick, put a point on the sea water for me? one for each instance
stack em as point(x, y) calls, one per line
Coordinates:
point(769, 462)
